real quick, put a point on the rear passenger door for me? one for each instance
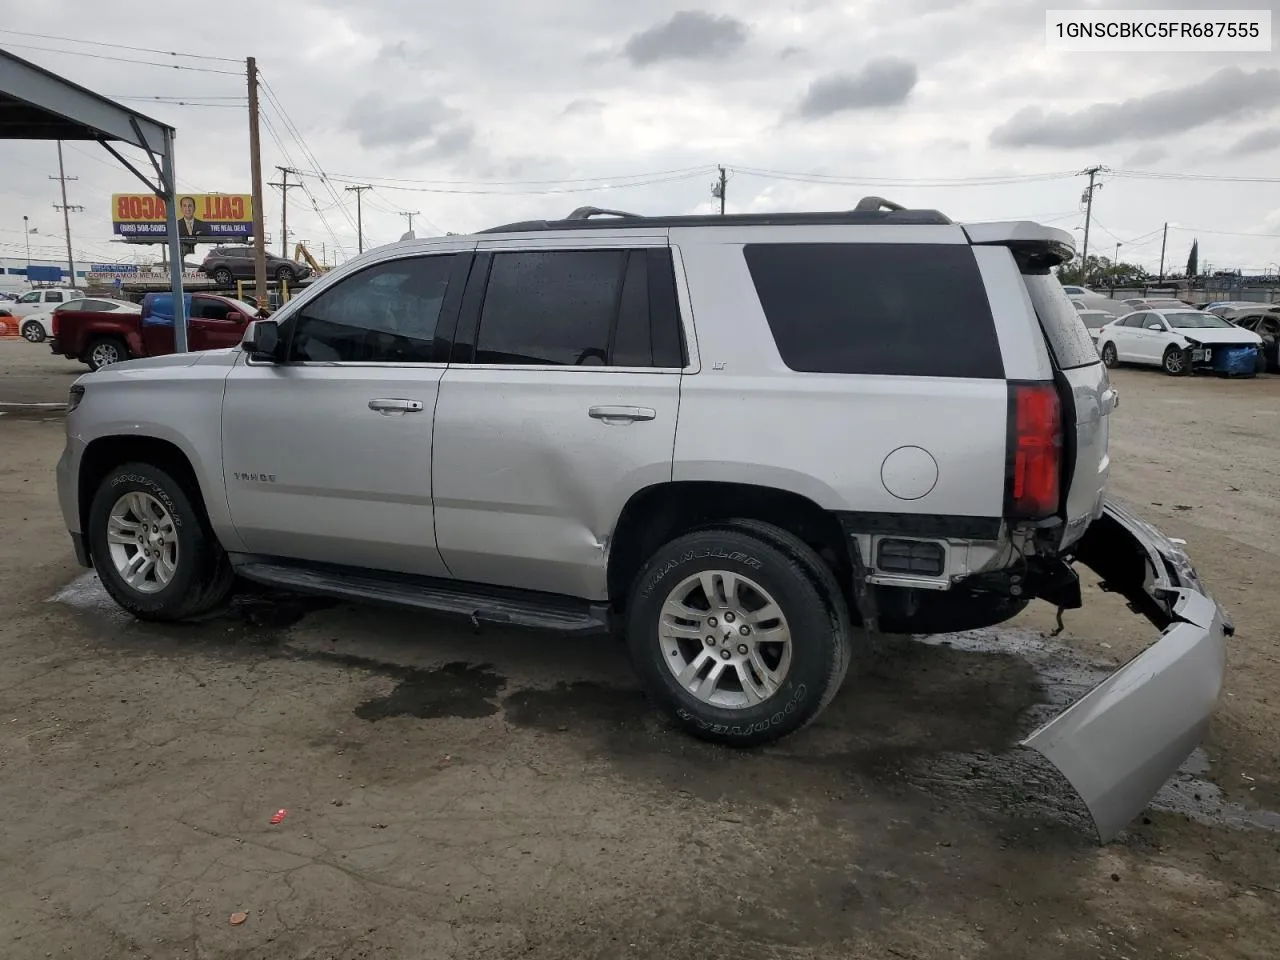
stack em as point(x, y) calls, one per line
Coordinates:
point(559, 403)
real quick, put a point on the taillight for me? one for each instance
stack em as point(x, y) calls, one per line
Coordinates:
point(1034, 483)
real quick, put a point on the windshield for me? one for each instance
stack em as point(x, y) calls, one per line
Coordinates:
point(1166, 305)
point(1195, 321)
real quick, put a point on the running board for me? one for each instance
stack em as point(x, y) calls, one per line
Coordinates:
point(476, 602)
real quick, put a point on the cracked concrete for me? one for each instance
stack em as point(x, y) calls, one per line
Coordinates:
point(459, 796)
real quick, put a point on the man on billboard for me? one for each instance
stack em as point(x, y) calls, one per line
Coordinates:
point(188, 225)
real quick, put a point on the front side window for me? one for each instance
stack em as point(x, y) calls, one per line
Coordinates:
point(32, 297)
point(386, 313)
point(205, 308)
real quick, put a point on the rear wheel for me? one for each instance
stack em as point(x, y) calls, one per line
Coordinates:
point(33, 331)
point(1176, 362)
point(1109, 355)
point(105, 351)
point(222, 276)
point(284, 275)
point(734, 635)
point(152, 546)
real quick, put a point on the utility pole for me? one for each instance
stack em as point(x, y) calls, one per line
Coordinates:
point(285, 186)
point(255, 164)
point(66, 217)
point(718, 189)
point(359, 192)
point(324, 257)
point(411, 214)
point(26, 231)
point(1088, 217)
point(1163, 241)
point(1115, 267)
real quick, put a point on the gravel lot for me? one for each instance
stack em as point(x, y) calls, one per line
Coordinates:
point(461, 795)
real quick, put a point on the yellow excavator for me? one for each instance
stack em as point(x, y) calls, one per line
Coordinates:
point(303, 255)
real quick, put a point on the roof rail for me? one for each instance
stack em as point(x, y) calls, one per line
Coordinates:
point(878, 203)
point(586, 213)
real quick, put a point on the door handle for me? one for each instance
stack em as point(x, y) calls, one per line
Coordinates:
point(393, 405)
point(622, 414)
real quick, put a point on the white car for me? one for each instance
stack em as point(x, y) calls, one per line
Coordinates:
point(1096, 301)
point(43, 300)
point(1094, 320)
point(38, 327)
point(1179, 341)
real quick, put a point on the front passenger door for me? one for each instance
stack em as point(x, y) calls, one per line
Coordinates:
point(327, 455)
point(1128, 337)
point(211, 326)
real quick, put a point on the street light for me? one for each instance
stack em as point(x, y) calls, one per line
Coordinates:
point(26, 235)
point(1115, 267)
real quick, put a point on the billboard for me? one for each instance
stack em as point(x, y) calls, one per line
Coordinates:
point(202, 217)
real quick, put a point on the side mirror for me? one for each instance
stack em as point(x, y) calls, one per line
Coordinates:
point(262, 342)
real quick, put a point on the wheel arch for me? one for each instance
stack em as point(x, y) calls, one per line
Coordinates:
point(104, 454)
point(659, 513)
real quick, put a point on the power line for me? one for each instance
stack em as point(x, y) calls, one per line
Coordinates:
point(862, 180)
point(519, 193)
point(103, 56)
point(118, 46)
point(699, 170)
point(315, 206)
point(1153, 175)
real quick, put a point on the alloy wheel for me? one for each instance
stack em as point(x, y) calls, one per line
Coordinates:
point(725, 639)
point(143, 542)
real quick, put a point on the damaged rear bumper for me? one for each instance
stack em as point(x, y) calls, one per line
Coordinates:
point(1119, 743)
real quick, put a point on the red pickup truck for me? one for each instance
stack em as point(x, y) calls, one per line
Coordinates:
point(98, 339)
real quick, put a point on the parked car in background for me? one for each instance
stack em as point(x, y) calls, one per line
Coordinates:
point(1093, 319)
point(233, 262)
point(39, 326)
point(1266, 324)
point(1240, 308)
point(1093, 300)
point(1160, 303)
point(1180, 341)
point(1222, 307)
point(44, 300)
point(99, 339)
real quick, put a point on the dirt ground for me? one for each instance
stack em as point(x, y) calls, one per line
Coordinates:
point(504, 794)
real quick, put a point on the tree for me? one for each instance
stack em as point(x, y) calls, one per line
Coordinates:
point(1193, 261)
point(1102, 271)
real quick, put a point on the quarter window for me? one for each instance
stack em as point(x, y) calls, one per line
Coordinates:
point(386, 313)
point(896, 309)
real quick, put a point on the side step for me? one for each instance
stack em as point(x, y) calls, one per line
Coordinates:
point(476, 602)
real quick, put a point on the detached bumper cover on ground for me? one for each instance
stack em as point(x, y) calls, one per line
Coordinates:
point(1119, 743)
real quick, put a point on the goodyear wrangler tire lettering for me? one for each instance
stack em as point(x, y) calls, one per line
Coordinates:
point(794, 579)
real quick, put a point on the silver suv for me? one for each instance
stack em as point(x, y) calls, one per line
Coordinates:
point(747, 444)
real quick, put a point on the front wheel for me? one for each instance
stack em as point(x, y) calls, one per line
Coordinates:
point(1176, 362)
point(1109, 355)
point(735, 634)
point(153, 548)
point(33, 331)
point(104, 352)
point(284, 275)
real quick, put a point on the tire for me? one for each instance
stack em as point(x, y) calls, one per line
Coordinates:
point(284, 275)
point(105, 351)
point(1109, 357)
point(222, 276)
point(33, 331)
point(201, 576)
point(1176, 362)
point(1260, 362)
point(767, 563)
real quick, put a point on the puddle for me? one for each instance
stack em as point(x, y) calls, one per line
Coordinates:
point(455, 690)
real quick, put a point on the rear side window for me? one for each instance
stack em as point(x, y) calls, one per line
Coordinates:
point(581, 308)
point(1065, 332)
point(895, 309)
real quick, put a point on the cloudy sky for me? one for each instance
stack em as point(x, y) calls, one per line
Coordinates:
point(482, 113)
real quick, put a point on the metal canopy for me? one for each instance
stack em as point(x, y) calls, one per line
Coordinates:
point(36, 104)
